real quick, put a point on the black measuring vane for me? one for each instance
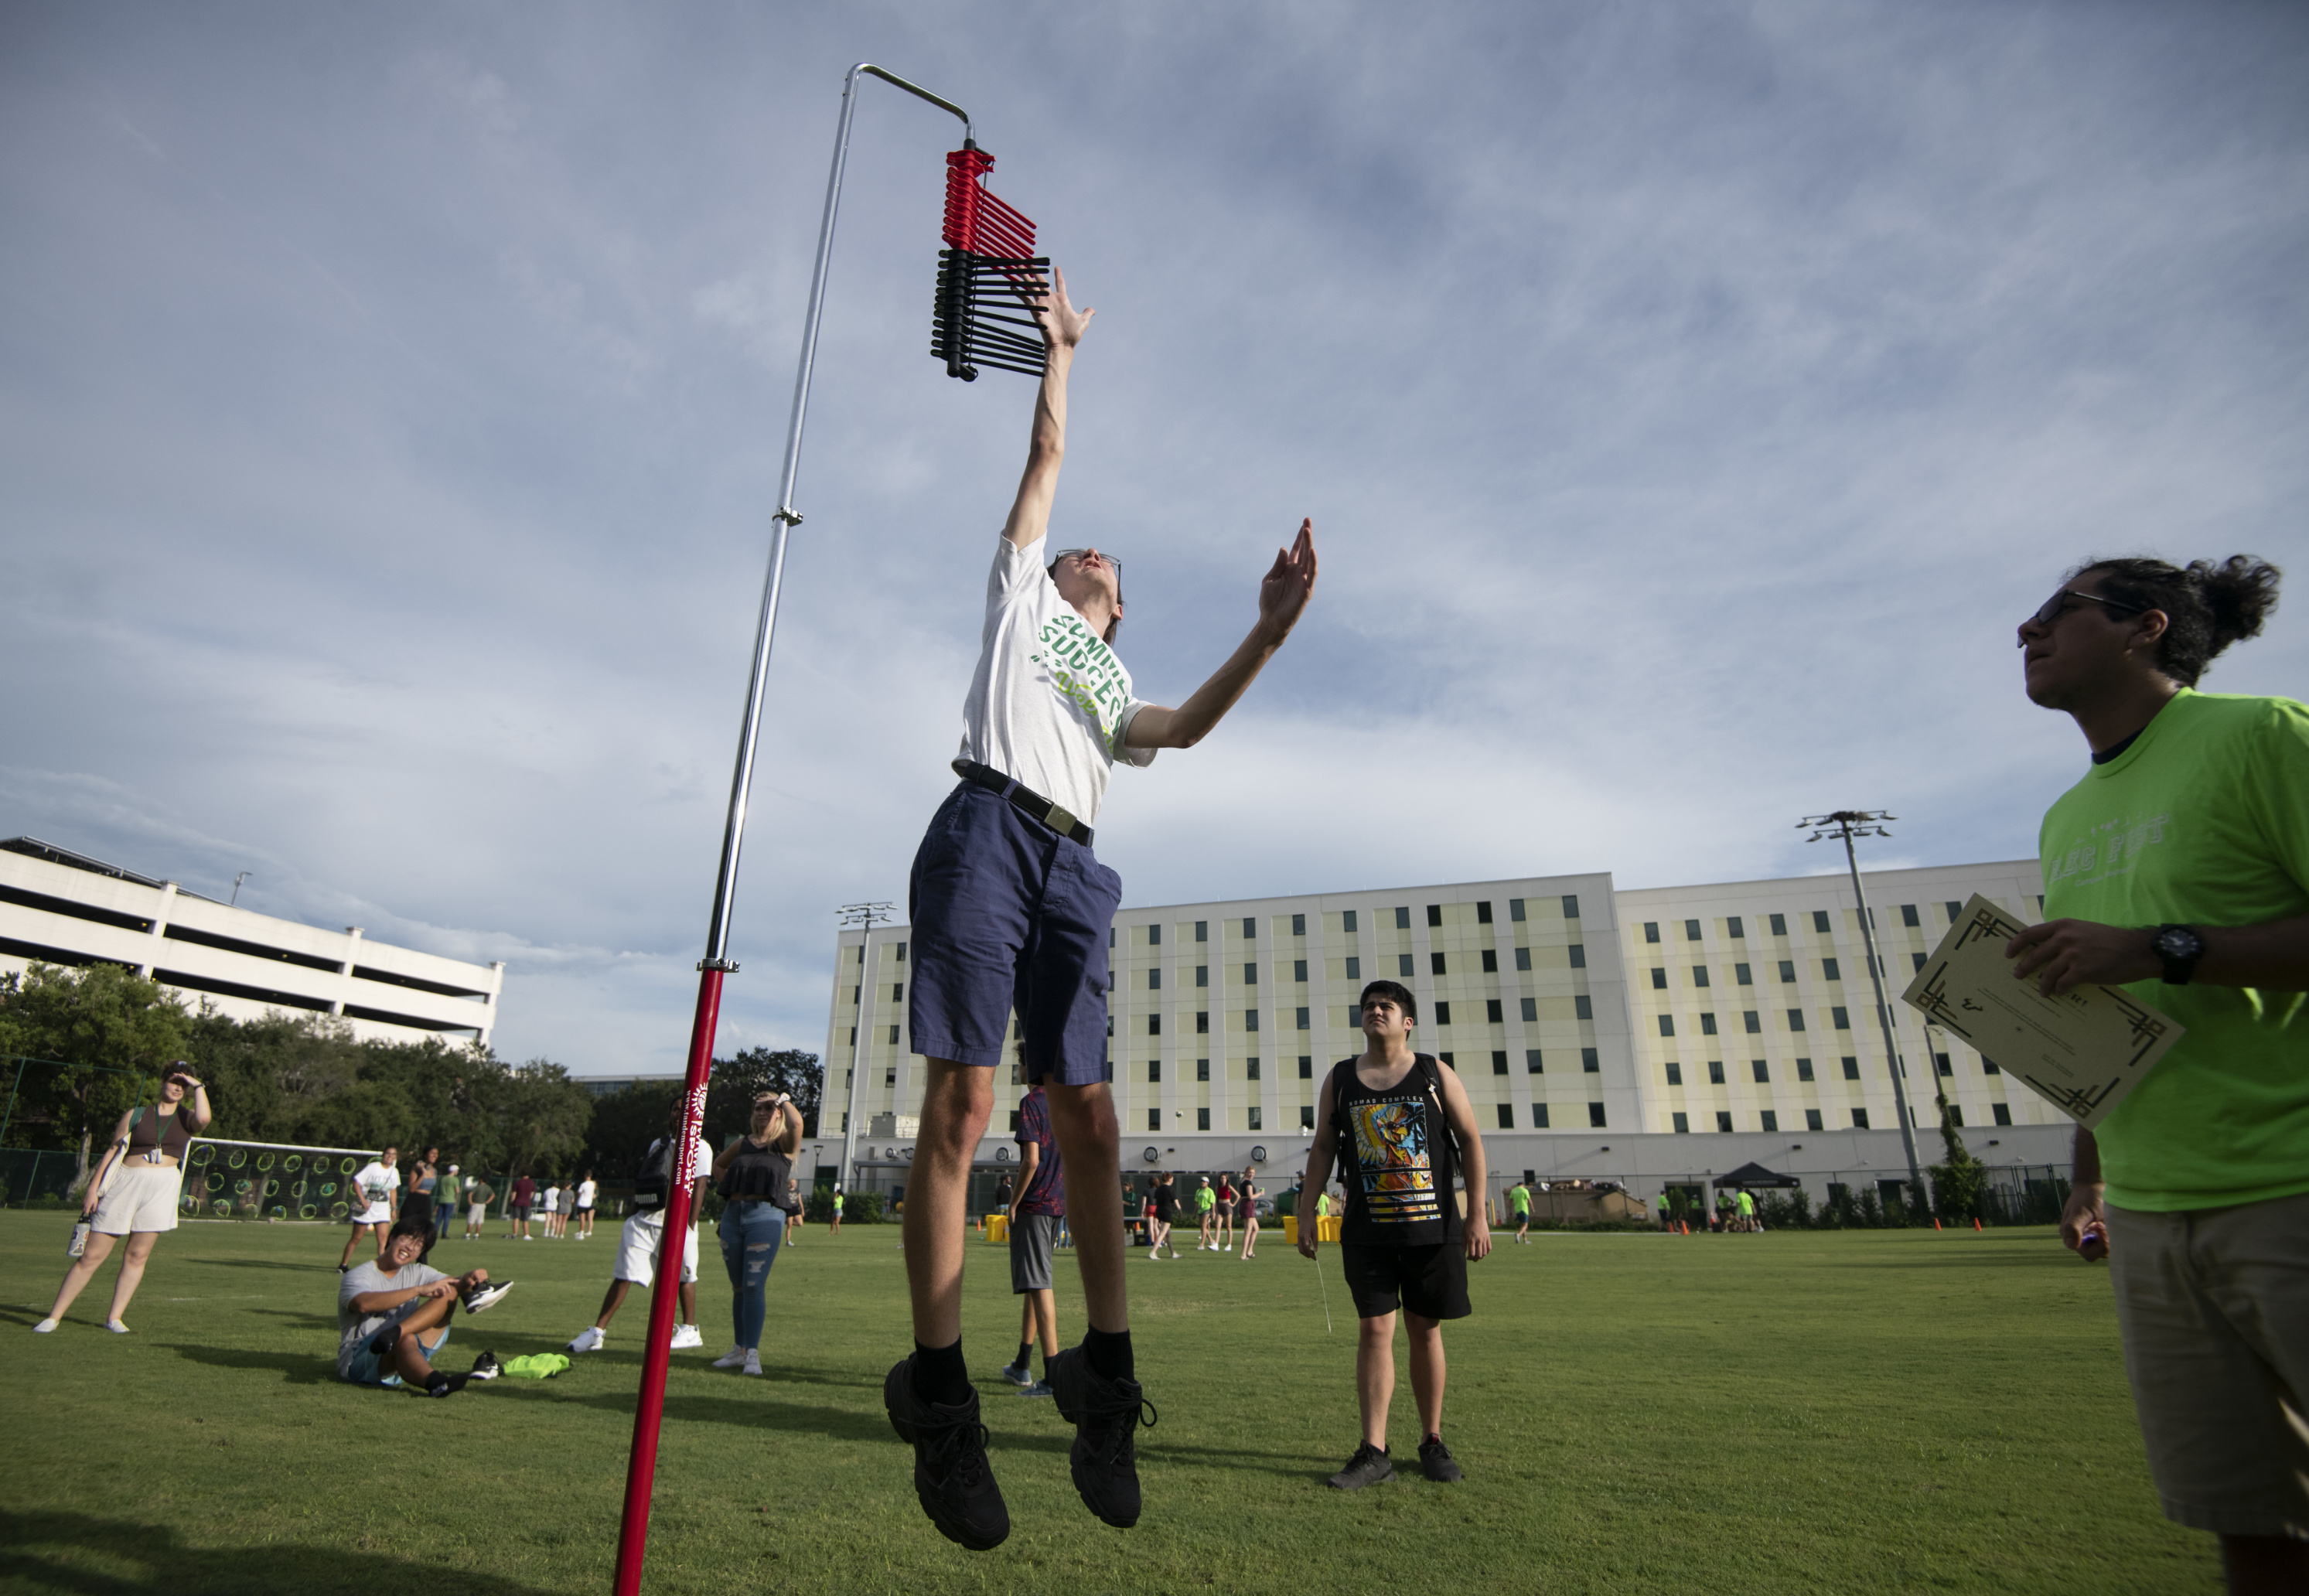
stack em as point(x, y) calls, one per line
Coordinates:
point(989, 276)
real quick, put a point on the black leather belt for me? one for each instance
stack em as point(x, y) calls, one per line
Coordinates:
point(1024, 798)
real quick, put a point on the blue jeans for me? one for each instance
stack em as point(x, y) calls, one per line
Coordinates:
point(751, 1234)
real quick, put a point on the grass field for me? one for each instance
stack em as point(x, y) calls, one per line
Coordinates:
point(1792, 1412)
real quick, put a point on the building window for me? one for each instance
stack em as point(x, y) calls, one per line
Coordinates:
point(1571, 906)
point(1795, 1019)
point(1812, 1119)
point(1908, 915)
point(1154, 936)
point(1249, 928)
point(1842, 1018)
point(1683, 1125)
point(1154, 1119)
point(1514, 910)
point(2002, 1112)
point(1742, 976)
point(1299, 971)
point(1651, 930)
point(889, 1077)
point(1988, 1067)
point(1691, 930)
point(1667, 1024)
point(1354, 1015)
point(1403, 965)
point(1254, 1118)
point(853, 1036)
point(1917, 960)
point(1852, 1069)
point(1583, 1007)
point(1306, 1117)
point(894, 1036)
point(1771, 1122)
point(1819, 921)
point(1202, 1022)
point(1752, 1022)
point(1483, 913)
point(1155, 1072)
point(1723, 1121)
point(1492, 1013)
point(1013, 1120)
point(1539, 1117)
point(1402, 919)
point(1250, 1019)
point(1442, 1013)
point(1448, 1059)
point(1731, 927)
point(1530, 1008)
point(1499, 1061)
point(1202, 1119)
point(1347, 921)
point(1531, 1061)
point(1956, 1116)
point(1202, 1069)
point(898, 952)
point(1523, 958)
point(1155, 979)
point(1830, 969)
point(1860, 1119)
point(1716, 1072)
point(1763, 1072)
point(1659, 978)
point(1202, 930)
point(1202, 975)
point(1491, 961)
point(1249, 975)
point(1787, 972)
point(1435, 963)
point(1946, 1067)
point(1803, 1069)
point(1578, 951)
point(1595, 1116)
point(1304, 1022)
point(1507, 1117)
point(897, 991)
point(1588, 1063)
point(1700, 975)
point(1306, 1067)
point(1707, 1024)
point(1435, 914)
point(1780, 925)
point(1674, 1073)
point(1354, 968)
point(1153, 1025)
point(1297, 925)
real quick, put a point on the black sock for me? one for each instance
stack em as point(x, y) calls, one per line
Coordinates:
point(941, 1376)
point(1108, 1351)
point(1025, 1355)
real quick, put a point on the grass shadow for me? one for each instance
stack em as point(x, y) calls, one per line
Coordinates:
point(291, 1267)
point(71, 1551)
point(295, 1369)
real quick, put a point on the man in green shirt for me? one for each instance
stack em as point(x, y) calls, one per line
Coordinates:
point(1206, 1201)
point(1746, 1202)
point(1666, 1221)
point(2178, 868)
point(1519, 1205)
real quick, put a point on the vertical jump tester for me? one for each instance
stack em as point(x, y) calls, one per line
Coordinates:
point(988, 278)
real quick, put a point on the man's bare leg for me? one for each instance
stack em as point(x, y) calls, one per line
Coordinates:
point(612, 1300)
point(1375, 1375)
point(409, 1361)
point(957, 1100)
point(1426, 1370)
point(1082, 1121)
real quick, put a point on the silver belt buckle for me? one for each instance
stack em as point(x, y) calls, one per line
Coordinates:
point(1059, 820)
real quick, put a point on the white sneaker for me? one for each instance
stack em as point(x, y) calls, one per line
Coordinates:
point(590, 1339)
point(116, 1326)
point(733, 1357)
point(44, 1327)
point(753, 1362)
point(685, 1335)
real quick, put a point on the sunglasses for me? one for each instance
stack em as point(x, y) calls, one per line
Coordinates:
point(1113, 563)
point(2057, 606)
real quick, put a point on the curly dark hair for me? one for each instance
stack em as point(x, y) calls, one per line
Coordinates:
point(2207, 606)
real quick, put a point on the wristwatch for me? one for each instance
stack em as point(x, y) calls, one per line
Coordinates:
point(2179, 947)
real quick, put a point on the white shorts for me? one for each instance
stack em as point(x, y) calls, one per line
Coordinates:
point(138, 1197)
point(376, 1213)
point(637, 1251)
point(478, 1213)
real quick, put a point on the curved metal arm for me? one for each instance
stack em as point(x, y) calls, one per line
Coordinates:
point(970, 134)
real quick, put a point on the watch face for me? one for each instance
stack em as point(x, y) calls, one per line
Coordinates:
point(2178, 941)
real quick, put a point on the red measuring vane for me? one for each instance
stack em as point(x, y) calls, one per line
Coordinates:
point(989, 276)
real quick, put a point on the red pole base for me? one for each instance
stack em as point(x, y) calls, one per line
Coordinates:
point(649, 1412)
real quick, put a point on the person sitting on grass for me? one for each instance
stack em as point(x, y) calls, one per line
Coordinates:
point(393, 1315)
point(1408, 1132)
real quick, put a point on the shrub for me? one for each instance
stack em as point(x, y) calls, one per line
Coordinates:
point(863, 1208)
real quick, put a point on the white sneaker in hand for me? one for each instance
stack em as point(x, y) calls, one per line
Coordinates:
point(685, 1335)
point(588, 1339)
point(733, 1357)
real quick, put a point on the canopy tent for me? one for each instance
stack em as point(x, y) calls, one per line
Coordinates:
point(1754, 1175)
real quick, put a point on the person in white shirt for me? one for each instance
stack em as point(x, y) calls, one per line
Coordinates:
point(586, 1192)
point(552, 1208)
point(1011, 912)
point(640, 1243)
point(375, 1203)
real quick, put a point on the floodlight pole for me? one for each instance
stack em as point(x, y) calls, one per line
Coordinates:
point(1846, 825)
point(649, 1411)
point(866, 915)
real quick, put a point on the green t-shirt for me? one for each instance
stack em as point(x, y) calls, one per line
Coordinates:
point(1746, 1206)
point(2204, 821)
point(1519, 1199)
point(1205, 1198)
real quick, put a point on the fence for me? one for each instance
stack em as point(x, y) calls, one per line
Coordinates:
point(28, 1175)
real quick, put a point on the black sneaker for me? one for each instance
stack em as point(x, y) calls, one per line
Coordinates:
point(1369, 1466)
point(1435, 1461)
point(952, 1477)
point(1106, 1415)
point(487, 1294)
point(487, 1367)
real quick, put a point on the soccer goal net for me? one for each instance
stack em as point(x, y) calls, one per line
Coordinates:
point(267, 1180)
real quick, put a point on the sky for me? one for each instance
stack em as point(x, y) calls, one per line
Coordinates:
point(1690, 400)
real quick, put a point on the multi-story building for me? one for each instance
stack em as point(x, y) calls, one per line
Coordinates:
point(59, 907)
point(1594, 1030)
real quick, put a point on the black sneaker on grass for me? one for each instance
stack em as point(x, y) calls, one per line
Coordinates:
point(1106, 1415)
point(952, 1477)
point(1435, 1461)
point(1369, 1466)
point(487, 1367)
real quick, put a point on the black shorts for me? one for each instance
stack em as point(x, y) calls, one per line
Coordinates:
point(1431, 1280)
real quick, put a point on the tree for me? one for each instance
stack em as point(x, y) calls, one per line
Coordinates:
point(110, 1031)
point(737, 1082)
point(542, 1117)
point(1957, 1183)
point(625, 1123)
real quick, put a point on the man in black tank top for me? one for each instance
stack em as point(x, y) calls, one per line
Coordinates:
point(1402, 1122)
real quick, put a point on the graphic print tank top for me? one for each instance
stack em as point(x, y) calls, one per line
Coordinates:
point(1400, 1165)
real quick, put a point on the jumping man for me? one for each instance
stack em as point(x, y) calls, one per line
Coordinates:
point(1011, 912)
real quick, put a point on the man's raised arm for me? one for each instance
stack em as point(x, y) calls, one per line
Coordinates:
point(1282, 595)
point(1046, 448)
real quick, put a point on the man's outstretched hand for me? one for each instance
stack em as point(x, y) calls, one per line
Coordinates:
point(1062, 324)
point(1288, 583)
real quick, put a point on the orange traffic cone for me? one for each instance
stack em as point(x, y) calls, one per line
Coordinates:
point(1975, 1222)
point(1687, 1227)
point(1936, 1223)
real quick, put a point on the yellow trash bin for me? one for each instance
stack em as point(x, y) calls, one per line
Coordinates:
point(997, 1227)
point(1327, 1227)
point(1291, 1229)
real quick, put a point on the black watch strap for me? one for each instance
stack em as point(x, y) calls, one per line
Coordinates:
point(2178, 948)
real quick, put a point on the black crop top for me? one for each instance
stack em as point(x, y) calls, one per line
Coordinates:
point(153, 1131)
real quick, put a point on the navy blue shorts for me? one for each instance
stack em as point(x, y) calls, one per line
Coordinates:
point(1007, 915)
